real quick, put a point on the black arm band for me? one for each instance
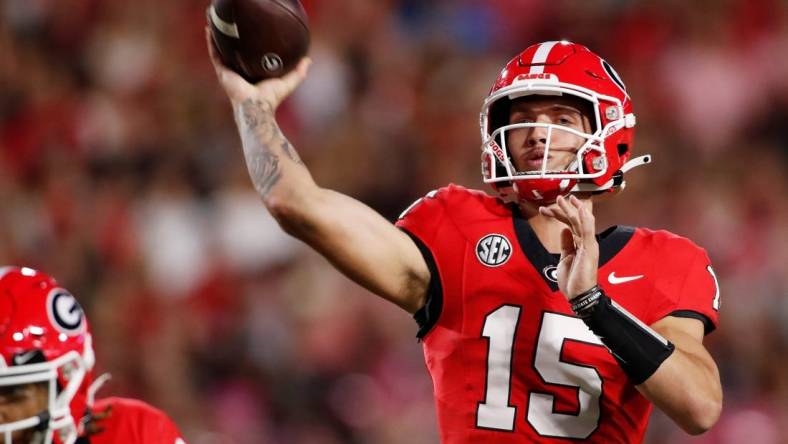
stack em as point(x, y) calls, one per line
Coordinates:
point(638, 349)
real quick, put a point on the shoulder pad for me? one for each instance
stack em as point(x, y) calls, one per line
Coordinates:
point(455, 199)
point(670, 242)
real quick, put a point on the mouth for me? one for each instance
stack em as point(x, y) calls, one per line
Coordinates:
point(533, 160)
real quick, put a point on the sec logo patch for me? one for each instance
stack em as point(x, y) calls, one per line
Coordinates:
point(493, 250)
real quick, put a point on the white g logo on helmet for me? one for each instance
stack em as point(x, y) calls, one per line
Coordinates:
point(64, 312)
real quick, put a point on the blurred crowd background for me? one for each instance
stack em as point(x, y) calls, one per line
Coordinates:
point(121, 174)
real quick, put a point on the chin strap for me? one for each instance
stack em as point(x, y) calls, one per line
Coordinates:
point(85, 421)
point(636, 162)
point(41, 432)
point(101, 380)
point(617, 181)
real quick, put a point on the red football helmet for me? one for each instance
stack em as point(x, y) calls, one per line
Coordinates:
point(44, 338)
point(555, 69)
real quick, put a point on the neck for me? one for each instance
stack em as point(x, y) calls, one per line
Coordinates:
point(548, 229)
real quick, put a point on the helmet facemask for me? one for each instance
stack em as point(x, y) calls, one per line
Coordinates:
point(576, 168)
point(63, 378)
point(590, 159)
point(601, 155)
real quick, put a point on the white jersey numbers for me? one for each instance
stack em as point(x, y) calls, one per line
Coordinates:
point(556, 329)
point(496, 411)
point(499, 327)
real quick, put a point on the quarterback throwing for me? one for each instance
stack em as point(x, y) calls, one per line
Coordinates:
point(536, 327)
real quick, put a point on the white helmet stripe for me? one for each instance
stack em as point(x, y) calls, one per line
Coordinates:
point(5, 270)
point(540, 56)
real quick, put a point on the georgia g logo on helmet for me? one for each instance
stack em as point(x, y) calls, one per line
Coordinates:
point(64, 312)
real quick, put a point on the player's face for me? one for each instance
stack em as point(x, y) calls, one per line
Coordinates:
point(527, 145)
point(18, 402)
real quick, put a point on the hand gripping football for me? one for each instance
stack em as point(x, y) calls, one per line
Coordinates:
point(259, 39)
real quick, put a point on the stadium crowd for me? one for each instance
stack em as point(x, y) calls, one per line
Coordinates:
point(121, 174)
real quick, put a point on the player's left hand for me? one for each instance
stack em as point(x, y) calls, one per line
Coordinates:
point(577, 270)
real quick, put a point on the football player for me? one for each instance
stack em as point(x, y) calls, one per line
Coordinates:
point(535, 328)
point(46, 373)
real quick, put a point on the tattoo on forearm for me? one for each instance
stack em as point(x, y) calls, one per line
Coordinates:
point(264, 170)
point(262, 139)
point(287, 147)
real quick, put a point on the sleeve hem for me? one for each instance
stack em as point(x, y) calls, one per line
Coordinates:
point(427, 316)
point(708, 325)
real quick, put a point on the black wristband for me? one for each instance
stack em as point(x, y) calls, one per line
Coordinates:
point(585, 301)
point(638, 349)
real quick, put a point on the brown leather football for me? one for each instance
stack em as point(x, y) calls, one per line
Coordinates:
point(259, 39)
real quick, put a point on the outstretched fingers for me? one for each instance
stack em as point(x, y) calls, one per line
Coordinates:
point(567, 243)
point(212, 49)
point(571, 212)
point(236, 87)
point(218, 66)
point(555, 212)
point(586, 221)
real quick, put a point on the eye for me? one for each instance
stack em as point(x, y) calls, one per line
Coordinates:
point(519, 118)
point(566, 120)
point(13, 393)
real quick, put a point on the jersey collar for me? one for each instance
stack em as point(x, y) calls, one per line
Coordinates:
point(611, 241)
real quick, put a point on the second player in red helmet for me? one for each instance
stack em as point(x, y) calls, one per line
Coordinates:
point(47, 387)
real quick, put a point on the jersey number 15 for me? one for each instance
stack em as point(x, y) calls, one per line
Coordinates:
point(495, 411)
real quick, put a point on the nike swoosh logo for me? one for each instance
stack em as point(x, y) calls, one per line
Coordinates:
point(613, 279)
point(22, 359)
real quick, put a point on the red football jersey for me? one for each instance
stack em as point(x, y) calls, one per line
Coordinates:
point(509, 361)
point(133, 422)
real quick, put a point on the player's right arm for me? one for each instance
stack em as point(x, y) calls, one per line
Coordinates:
point(353, 237)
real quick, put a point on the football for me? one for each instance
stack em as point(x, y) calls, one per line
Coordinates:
point(259, 39)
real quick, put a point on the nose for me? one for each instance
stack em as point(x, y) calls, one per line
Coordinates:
point(537, 135)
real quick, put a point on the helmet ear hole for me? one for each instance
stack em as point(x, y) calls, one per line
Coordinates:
point(623, 148)
point(499, 115)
